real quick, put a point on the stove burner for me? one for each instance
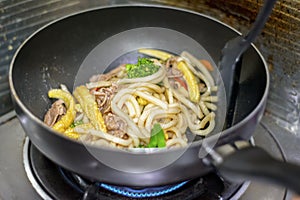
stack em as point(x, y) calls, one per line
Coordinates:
point(54, 182)
point(81, 185)
point(142, 193)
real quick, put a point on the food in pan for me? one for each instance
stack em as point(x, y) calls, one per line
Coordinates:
point(149, 104)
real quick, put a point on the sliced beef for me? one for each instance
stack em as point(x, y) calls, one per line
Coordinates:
point(107, 76)
point(56, 111)
point(171, 65)
point(115, 125)
point(173, 72)
point(104, 96)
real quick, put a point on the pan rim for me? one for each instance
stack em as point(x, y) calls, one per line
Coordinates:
point(190, 145)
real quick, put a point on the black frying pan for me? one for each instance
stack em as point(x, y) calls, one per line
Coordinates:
point(55, 53)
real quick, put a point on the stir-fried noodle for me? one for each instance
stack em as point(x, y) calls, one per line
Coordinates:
point(121, 108)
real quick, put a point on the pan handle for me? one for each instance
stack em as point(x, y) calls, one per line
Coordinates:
point(254, 163)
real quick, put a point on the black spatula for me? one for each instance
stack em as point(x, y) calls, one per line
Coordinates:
point(229, 64)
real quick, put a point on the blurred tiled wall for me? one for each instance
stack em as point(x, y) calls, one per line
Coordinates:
point(279, 44)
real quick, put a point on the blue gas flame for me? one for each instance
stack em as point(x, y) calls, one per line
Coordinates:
point(142, 193)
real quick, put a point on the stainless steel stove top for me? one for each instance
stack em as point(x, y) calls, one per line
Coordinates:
point(14, 183)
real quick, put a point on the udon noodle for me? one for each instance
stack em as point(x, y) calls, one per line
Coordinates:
point(120, 109)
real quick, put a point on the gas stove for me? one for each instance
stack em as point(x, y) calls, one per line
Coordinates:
point(27, 174)
point(52, 181)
